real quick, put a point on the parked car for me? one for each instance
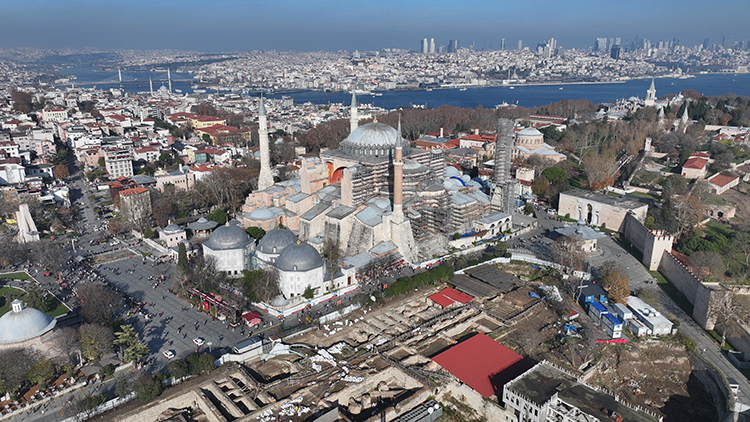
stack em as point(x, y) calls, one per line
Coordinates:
point(168, 354)
point(198, 341)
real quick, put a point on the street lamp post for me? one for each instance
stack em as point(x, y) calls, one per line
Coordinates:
point(209, 346)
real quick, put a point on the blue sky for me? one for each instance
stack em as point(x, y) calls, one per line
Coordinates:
point(240, 25)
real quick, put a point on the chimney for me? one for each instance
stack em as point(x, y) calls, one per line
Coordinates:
point(441, 132)
point(476, 131)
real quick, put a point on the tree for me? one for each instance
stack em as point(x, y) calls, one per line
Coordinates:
point(200, 363)
point(615, 279)
point(147, 388)
point(98, 304)
point(600, 169)
point(148, 232)
point(135, 349)
point(566, 251)
point(102, 162)
point(14, 365)
point(707, 263)
point(555, 175)
point(36, 297)
point(309, 293)
point(219, 216)
point(260, 285)
point(687, 210)
point(178, 369)
point(256, 233)
point(21, 101)
point(96, 340)
point(123, 387)
point(61, 171)
point(40, 371)
point(182, 261)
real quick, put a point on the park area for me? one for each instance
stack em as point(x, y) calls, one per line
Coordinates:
point(47, 304)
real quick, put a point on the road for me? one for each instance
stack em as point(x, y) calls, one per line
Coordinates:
point(609, 249)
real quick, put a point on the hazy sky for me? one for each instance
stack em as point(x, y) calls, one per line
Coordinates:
point(307, 25)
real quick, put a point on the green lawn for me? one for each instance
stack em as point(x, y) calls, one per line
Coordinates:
point(642, 195)
point(56, 307)
point(19, 275)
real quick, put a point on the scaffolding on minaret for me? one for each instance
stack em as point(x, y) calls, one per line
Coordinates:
point(506, 189)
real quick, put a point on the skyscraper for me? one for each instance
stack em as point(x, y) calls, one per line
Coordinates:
point(520, 44)
point(425, 47)
point(615, 52)
point(452, 46)
point(502, 43)
point(432, 45)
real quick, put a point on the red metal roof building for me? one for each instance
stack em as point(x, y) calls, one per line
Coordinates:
point(483, 364)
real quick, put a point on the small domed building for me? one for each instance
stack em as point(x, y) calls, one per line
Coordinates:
point(270, 247)
point(530, 141)
point(300, 266)
point(232, 249)
point(172, 235)
point(22, 324)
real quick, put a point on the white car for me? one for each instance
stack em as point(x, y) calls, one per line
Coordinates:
point(168, 354)
point(198, 341)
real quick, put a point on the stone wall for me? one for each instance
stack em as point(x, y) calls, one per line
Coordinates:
point(703, 296)
point(153, 411)
point(652, 244)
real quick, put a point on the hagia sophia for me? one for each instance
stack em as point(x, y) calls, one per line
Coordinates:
point(374, 197)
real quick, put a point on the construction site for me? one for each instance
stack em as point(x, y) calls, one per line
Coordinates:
point(380, 362)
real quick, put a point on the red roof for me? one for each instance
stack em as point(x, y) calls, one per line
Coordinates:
point(723, 178)
point(441, 300)
point(695, 163)
point(482, 363)
point(132, 191)
point(701, 154)
point(456, 295)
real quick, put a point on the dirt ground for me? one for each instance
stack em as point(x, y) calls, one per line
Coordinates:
point(656, 376)
point(740, 200)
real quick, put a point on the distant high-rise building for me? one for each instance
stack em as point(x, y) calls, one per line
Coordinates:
point(706, 45)
point(441, 49)
point(601, 44)
point(432, 45)
point(615, 52)
point(520, 44)
point(452, 46)
point(425, 46)
point(502, 43)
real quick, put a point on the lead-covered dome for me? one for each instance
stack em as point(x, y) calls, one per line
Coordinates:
point(21, 324)
point(373, 140)
point(228, 237)
point(276, 240)
point(299, 257)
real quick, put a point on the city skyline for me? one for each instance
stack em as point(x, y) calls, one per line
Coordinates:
point(330, 25)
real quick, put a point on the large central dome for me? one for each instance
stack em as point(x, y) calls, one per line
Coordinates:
point(373, 140)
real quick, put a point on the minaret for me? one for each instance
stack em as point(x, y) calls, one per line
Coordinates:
point(169, 79)
point(353, 115)
point(651, 95)
point(504, 191)
point(150, 86)
point(265, 178)
point(119, 74)
point(398, 177)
